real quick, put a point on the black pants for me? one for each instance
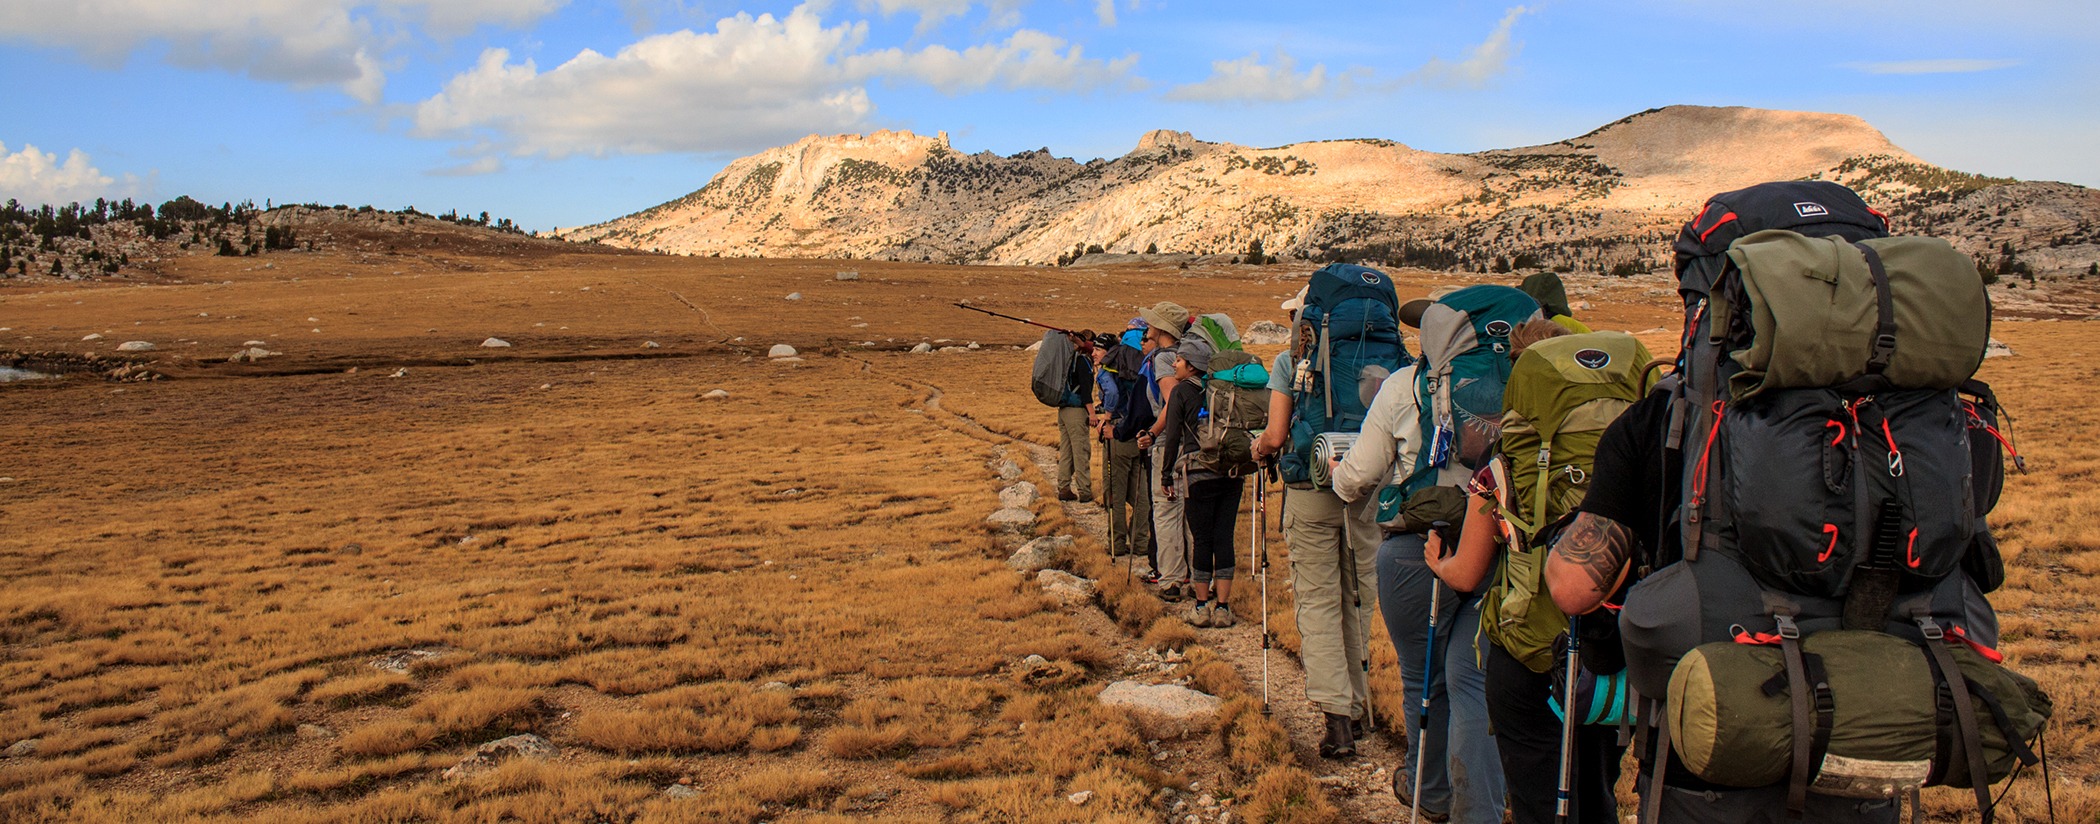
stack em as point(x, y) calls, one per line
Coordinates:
point(1213, 509)
point(1527, 734)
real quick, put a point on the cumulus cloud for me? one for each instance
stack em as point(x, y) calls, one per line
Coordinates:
point(1485, 62)
point(1105, 11)
point(1248, 79)
point(1944, 66)
point(34, 176)
point(751, 83)
point(299, 42)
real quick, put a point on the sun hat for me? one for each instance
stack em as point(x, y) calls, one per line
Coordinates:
point(1167, 316)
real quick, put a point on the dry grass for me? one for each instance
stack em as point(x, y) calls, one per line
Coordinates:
point(601, 557)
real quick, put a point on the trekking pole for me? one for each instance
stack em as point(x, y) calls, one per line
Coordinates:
point(1261, 560)
point(1084, 340)
point(1356, 595)
point(1561, 798)
point(1436, 596)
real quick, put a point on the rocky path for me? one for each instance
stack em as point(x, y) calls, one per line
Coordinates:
point(1359, 787)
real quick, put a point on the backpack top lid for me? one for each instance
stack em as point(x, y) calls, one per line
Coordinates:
point(1810, 207)
point(1053, 369)
point(1337, 282)
point(1476, 317)
point(1239, 368)
point(1556, 375)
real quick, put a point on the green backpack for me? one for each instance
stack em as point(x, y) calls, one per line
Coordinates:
point(1562, 393)
point(1235, 409)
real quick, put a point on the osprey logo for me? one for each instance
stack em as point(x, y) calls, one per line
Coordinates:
point(1811, 209)
point(1370, 277)
point(1593, 358)
point(1498, 329)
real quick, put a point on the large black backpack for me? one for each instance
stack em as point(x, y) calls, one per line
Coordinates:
point(1831, 480)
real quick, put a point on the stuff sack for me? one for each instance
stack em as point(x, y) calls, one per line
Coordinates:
point(1910, 311)
point(1458, 389)
point(1217, 330)
point(1053, 369)
point(1346, 343)
point(1562, 394)
point(1235, 410)
point(1873, 712)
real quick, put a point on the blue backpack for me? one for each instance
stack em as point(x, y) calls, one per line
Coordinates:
point(1346, 342)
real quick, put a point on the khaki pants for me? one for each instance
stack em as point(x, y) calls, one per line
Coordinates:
point(1334, 564)
point(1075, 447)
point(1129, 498)
point(1169, 523)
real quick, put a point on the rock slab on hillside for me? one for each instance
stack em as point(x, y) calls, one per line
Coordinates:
point(1166, 700)
point(1038, 554)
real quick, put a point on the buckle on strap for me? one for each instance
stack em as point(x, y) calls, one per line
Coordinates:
point(1787, 629)
point(1931, 629)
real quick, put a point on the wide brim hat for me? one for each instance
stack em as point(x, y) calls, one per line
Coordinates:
point(1411, 311)
point(1297, 301)
point(1167, 316)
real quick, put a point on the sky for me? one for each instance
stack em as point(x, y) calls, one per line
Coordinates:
point(564, 112)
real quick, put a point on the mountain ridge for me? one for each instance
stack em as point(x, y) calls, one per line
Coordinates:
point(1607, 200)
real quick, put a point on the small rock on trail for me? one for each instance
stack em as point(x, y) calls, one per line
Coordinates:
point(717, 395)
point(135, 346)
point(1022, 494)
point(781, 350)
point(1168, 700)
point(491, 343)
point(487, 756)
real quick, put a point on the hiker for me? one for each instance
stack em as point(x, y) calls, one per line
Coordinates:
point(1213, 500)
point(1346, 340)
point(1552, 295)
point(1848, 435)
point(1075, 416)
point(1521, 691)
point(1167, 325)
point(1123, 413)
point(1451, 395)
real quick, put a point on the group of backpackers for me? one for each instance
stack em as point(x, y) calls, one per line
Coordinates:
point(1761, 564)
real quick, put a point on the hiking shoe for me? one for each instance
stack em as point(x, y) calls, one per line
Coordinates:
point(1403, 789)
point(1066, 495)
point(1170, 593)
point(1339, 742)
point(1199, 615)
point(1221, 616)
point(1119, 552)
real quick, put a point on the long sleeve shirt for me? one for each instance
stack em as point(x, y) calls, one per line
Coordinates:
point(1387, 447)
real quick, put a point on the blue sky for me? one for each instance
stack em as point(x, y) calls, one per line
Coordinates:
point(560, 112)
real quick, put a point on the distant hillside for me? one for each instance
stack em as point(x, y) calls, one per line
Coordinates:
point(1607, 200)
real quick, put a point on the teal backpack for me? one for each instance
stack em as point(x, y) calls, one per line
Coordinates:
point(1458, 388)
point(1347, 340)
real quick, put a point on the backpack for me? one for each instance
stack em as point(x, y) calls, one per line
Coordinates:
point(1235, 410)
point(1562, 393)
point(1830, 486)
point(1347, 341)
point(1458, 390)
point(1217, 330)
point(1133, 413)
point(1052, 374)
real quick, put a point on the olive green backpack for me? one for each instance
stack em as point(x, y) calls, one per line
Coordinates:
point(1561, 395)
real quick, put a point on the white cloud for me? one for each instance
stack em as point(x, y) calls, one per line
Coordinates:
point(34, 177)
point(479, 166)
point(1105, 11)
point(752, 83)
point(1249, 79)
point(299, 42)
point(1000, 14)
point(1484, 62)
point(1028, 59)
point(1946, 66)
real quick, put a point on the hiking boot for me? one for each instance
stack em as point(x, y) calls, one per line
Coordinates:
point(1199, 615)
point(1119, 552)
point(1067, 495)
point(1170, 593)
point(1403, 789)
point(1221, 616)
point(1340, 741)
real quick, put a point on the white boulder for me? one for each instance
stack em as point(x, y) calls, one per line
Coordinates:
point(135, 346)
point(1011, 517)
point(1266, 333)
point(1022, 494)
point(1039, 554)
point(717, 395)
point(1166, 700)
point(781, 350)
point(1064, 587)
point(491, 343)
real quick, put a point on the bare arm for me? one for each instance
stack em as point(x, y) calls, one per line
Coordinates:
point(1588, 562)
point(1272, 438)
point(1468, 568)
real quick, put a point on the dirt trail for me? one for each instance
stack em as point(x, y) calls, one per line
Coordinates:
point(1359, 787)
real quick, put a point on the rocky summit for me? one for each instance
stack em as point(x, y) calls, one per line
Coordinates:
point(1605, 201)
